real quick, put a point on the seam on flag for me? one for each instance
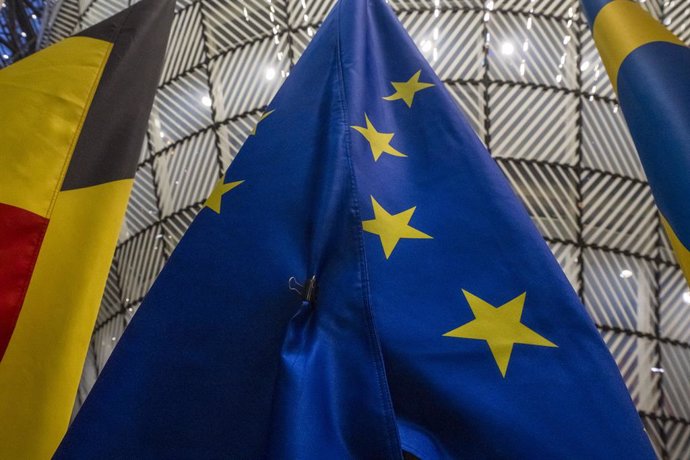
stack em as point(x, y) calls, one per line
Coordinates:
point(375, 344)
point(80, 125)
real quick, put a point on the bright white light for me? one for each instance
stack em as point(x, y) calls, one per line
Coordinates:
point(270, 73)
point(686, 297)
point(584, 66)
point(625, 273)
point(4, 56)
point(426, 46)
point(33, 16)
point(507, 48)
point(206, 101)
point(162, 134)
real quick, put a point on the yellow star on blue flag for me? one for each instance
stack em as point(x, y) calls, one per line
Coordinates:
point(379, 142)
point(391, 228)
point(261, 118)
point(406, 90)
point(221, 188)
point(500, 327)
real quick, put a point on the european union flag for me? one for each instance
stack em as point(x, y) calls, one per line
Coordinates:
point(649, 68)
point(362, 282)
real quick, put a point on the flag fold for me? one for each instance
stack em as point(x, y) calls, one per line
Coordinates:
point(361, 282)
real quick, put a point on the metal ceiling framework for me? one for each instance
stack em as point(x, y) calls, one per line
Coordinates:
point(20, 28)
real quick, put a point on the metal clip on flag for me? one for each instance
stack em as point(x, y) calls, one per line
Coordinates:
point(443, 326)
point(74, 119)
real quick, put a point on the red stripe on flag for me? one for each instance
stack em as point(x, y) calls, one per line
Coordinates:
point(21, 234)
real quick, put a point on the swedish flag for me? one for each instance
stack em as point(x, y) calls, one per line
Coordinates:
point(361, 282)
point(649, 68)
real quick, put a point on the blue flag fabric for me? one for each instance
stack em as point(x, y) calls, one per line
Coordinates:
point(649, 68)
point(362, 281)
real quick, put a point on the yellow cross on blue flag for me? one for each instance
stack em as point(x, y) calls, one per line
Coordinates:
point(362, 282)
point(649, 68)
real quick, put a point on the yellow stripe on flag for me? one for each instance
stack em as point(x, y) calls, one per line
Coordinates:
point(57, 320)
point(621, 27)
point(682, 253)
point(45, 99)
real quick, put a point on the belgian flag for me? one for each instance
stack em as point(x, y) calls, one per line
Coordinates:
point(73, 121)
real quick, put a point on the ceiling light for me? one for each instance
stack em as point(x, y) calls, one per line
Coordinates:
point(686, 297)
point(507, 48)
point(625, 273)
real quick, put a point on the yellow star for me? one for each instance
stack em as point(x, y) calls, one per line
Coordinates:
point(392, 228)
point(499, 327)
point(379, 142)
point(220, 189)
point(406, 90)
point(261, 118)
